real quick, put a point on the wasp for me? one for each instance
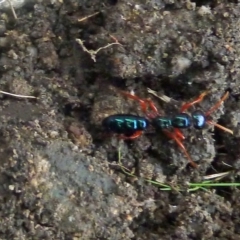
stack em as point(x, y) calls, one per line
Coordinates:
point(132, 126)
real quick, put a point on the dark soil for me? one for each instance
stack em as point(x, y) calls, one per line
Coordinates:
point(60, 174)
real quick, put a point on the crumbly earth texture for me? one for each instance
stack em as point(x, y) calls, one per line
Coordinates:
point(62, 177)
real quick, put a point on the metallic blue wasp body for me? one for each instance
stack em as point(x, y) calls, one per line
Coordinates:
point(128, 125)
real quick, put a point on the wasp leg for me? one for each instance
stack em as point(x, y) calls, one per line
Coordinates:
point(217, 105)
point(197, 100)
point(213, 108)
point(132, 137)
point(144, 103)
point(220, 126)
point(182, 147)
point(179, 134)
point(152, 106)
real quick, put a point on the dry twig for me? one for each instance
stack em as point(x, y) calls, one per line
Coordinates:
point(85, 18)
point(93, 53)
point(16, 95)
point(12, 9)
point(162, 96)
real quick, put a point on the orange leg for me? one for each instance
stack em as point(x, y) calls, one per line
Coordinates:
point(144, 103)
point(220, 126)
point(179, 134)
point(198, 100)
point(217, 105)
point(182, 147)
point(132, 137)
point(152, 106)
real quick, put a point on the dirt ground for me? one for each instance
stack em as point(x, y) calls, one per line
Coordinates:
point(62, 176)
